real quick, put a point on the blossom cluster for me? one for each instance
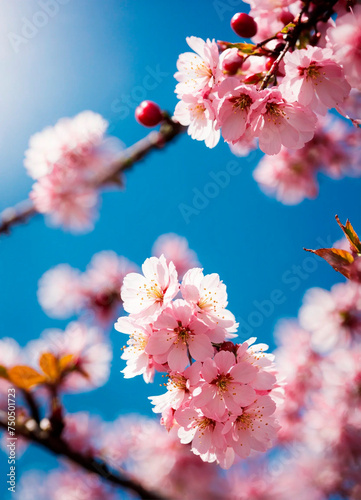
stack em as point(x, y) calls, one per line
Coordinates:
point(64, 291)
point(67, 162)
point(224, 88)
point(137, 445)
point(219, 394)
point(291, 175)
point(319, 357)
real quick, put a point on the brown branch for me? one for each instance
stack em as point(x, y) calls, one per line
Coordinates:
point(23, 211)
point(59, 447)
point(321, 12)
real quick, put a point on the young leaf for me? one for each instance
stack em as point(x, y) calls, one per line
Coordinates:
point(25, 377)
point(340, 260)
point(287, 28)
point(65, 361)
point(351, 235)
point(3, 372)
point(49, 364)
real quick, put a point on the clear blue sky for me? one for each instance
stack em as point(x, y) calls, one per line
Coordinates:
point(97, 55)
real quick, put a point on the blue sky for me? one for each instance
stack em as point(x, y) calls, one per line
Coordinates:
point(101, 56)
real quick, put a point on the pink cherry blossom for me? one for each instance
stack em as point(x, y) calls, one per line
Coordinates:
point(73, 143)
point(146, 295)
point(234, 108)
point(179, 390)
point(198, 114)
point(64, 484)
point(138, 361)
point(102, 282)
point(206, 436)
point(345, 41)
point(227, 385)
point(287, 177)
point(181, 334)
point(80, 432)
point(277, 122)
point(208, 295)
point(254, 429)
point(59, 291)
point(199, 71)
point(314, 79)
point(334, 317)
point(257, 356)
point(176, 249)
point(245, 145)
point(66, 200)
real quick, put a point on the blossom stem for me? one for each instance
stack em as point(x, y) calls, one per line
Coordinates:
point(34, 410)
point(319, 13)
point(169, 129)
point(59, 447)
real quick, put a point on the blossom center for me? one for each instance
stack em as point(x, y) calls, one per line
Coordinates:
point(183, 333)
point(154, 291)
point(312, 72)
point(244, 422)
point(203, 422)
point(222, 381)
point(178, 382)
point(242, 102)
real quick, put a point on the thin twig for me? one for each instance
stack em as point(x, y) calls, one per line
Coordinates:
point(60, 447)
point(23, 211)
point(34, 409)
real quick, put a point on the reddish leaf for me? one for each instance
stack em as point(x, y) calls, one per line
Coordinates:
point(340, 260)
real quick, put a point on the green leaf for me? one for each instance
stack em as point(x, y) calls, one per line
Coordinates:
point(287, 28)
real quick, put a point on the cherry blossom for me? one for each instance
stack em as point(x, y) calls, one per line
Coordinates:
point(206, 436)
point(234, 108)
point(146, 295)
point(277, 122)
point(138, 361)
point(345, 39)
point(197, 72)
point(226, 386)
point(198, 112)
point(80, 432)
point(334, 317)
point(253, 429)
point(314, 79)
point(208, 295)
point(181, 334)
point(59, 291)
point(176, 249)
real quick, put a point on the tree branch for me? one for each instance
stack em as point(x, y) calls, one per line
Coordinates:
point(60, 447)
point(169, 129)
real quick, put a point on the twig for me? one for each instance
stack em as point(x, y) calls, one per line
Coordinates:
point(34, 410)
point(23, 211)
point(60, 447)
point(315, 16)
